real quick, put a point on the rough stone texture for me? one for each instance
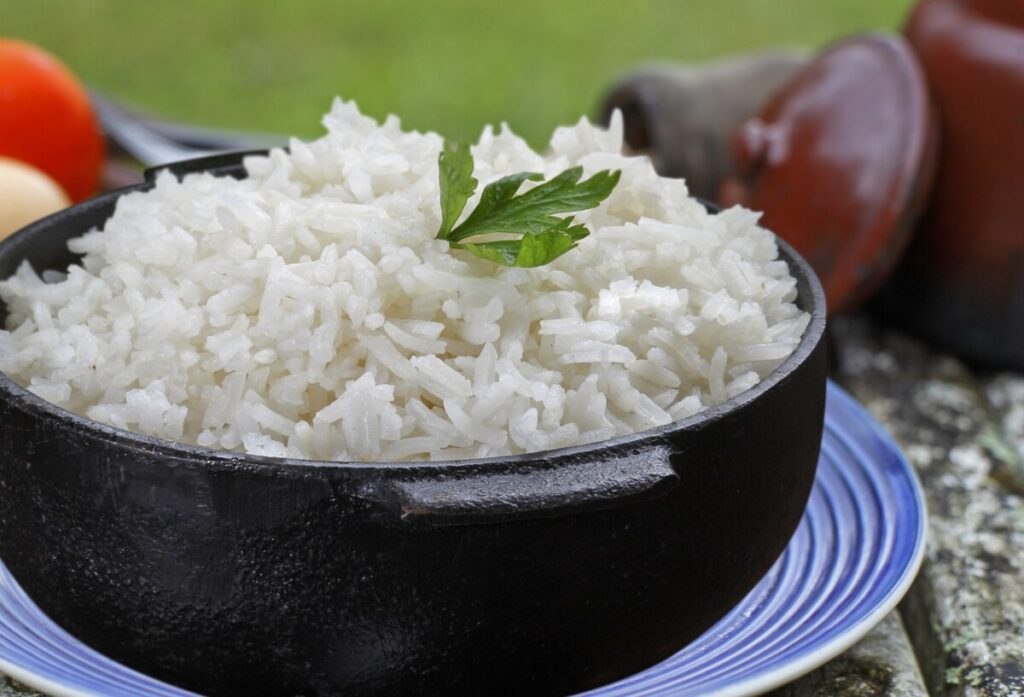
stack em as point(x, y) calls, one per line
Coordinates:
point(964, 432)
point(882, 664)
point(13, 688)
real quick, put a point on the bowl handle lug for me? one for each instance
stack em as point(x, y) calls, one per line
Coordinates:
point(555, 487)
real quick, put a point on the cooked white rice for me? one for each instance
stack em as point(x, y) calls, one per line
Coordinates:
point(308, 311)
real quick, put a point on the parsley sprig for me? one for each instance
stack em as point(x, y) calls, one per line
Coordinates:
point(533, 215)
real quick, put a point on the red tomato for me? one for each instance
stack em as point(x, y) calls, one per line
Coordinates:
point(46, 119)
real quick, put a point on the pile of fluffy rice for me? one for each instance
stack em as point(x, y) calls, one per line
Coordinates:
point(308, 311)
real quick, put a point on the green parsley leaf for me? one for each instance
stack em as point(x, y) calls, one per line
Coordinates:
point(532, 250)
point(533, 215)
point(457, 183)
point(500, 210)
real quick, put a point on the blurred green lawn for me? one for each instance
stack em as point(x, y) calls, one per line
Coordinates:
point(443, 65)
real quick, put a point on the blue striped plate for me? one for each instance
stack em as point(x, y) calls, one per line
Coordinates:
point(853, 557)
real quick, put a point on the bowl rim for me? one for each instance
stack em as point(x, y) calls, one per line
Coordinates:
point(810, 296)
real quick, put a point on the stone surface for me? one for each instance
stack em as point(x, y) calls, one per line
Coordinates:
point(882, 664)
point(13, 688)
point(964, 432)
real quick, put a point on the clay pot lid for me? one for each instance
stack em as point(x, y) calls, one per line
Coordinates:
point(841, 161)
point(1001, 11)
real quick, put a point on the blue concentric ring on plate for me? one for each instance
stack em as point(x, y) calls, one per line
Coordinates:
point(853, 557)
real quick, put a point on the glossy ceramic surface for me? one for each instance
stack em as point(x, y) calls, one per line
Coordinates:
point(684, 117)
point(853, 556)
point(841, 160)
point(962, 282)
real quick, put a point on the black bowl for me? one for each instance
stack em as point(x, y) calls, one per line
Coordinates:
point(543, 574)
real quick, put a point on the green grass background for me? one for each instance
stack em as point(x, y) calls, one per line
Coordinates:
point(446, 65)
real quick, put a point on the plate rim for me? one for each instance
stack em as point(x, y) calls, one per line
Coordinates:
point(791, 670)
point(754, 685)
point(43, 684)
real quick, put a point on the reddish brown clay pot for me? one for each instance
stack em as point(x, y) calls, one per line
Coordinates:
point(841, 160)
point(684, 117)
point(962, 282)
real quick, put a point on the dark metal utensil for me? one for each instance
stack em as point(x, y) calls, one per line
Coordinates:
point(154, 142)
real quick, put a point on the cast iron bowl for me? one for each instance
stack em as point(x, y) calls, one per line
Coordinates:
point(538, 574)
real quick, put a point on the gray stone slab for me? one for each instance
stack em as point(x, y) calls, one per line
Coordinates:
point(12, 688)
point(882, 664)
point(964, 432)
